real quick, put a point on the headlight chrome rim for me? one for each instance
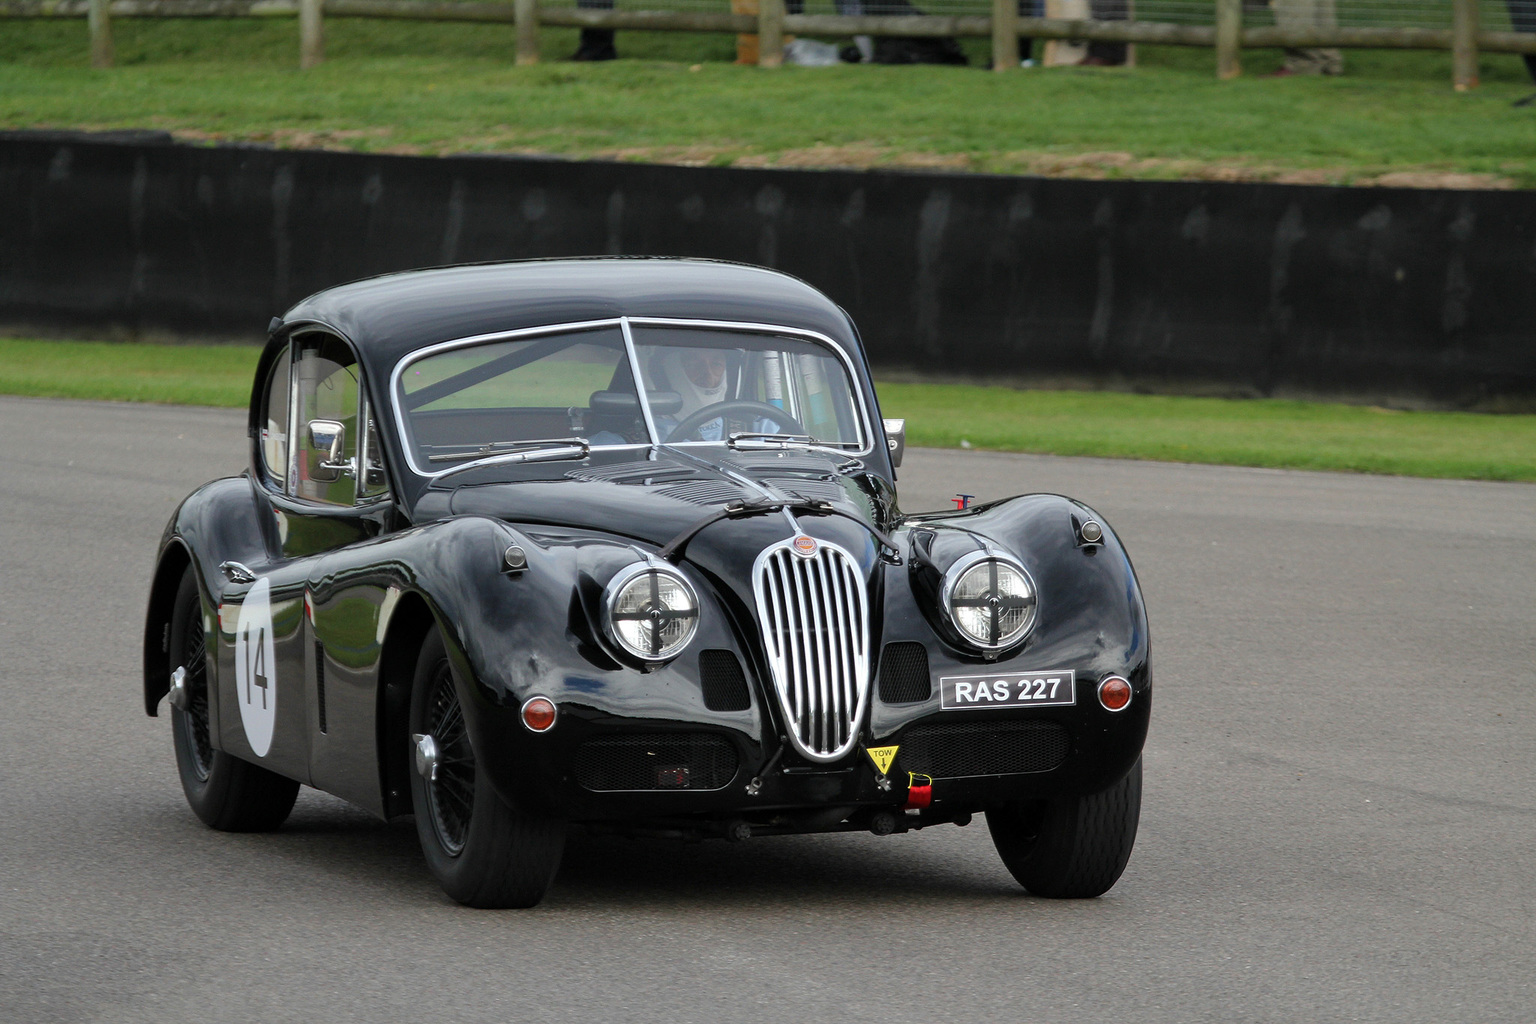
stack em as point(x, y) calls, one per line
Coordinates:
point(1029, 601)
point(656, 652)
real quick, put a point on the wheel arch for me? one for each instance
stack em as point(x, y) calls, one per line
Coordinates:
point(408, 627)
point(174, 561)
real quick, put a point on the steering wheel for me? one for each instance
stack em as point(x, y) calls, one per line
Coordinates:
point(689, 425)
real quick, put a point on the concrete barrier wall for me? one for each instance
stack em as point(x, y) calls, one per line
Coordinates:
point(1428, 295)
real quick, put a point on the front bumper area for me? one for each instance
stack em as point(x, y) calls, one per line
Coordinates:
point(700, 778)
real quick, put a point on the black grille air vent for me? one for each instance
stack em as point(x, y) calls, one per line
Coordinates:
point(320, 682)
point(651, 761)
point(954, 750)
point(725, 685)
point(904, 673)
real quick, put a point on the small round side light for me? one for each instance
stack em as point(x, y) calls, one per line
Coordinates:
point(1092, 532)
point(539, 714)
point(1115, 694)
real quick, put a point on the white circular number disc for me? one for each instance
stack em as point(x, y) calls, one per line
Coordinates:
point(256, 668)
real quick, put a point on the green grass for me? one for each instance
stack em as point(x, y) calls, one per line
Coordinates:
point(108, 371)
point(1244, 432)
point(1239, 432)
point(438, 88)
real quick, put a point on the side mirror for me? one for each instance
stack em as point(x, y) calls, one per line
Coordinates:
point(329, 437)
point(896, 439)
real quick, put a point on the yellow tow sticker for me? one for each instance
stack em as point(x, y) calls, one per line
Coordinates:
point(882, 756)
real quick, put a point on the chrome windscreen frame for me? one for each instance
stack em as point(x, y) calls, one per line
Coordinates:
point(402, 424)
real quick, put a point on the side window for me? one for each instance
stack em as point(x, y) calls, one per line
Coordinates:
point(274, 429)
point(375, 482)
point(326, 396)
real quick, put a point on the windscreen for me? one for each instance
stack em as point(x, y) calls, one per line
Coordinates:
point(733, 382)
point(702, 386)
point(462, 403)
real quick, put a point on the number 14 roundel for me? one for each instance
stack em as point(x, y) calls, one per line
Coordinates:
point(255, 668)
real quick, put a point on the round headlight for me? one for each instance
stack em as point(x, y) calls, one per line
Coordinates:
point(652, 611)
point(990, 600)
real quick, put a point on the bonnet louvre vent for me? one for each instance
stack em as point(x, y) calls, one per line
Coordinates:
point(703, 492)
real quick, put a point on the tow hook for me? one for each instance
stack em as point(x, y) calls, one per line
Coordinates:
point(919, 795)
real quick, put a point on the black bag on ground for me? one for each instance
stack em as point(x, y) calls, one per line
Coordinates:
point(908, 50)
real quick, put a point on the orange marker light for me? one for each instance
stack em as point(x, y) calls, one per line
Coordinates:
point(539, 714)
point(1115, 694)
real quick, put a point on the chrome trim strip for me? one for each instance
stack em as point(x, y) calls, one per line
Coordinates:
point(634, 370)
point(813, 612)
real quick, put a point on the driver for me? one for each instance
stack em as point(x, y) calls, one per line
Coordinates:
point(698, 375)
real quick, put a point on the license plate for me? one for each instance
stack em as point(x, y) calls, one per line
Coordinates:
point(1008, 690)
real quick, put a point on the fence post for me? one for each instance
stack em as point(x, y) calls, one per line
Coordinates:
point(770, 33)
point(311, 34)
point(99, 19)
point(1464, 44)
point(1229, 38)
point(527, 14)
point(1005, 35)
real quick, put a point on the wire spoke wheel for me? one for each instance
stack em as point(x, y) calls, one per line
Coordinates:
point(451, 795)
point(226, 792)
point(194, 720)
point(482, 850)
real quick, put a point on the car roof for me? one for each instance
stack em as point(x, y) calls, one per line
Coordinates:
point(389, 317)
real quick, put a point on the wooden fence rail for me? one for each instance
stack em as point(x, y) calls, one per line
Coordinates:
point(1464, 38)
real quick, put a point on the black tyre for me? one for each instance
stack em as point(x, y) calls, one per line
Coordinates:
point(484, 852)
point(225, 792)
point(1073, 848)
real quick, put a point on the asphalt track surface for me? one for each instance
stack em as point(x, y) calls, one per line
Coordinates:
point(1339, 818)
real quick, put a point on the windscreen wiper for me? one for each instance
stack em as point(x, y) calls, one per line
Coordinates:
point(748, 441)
point(510, 447)
point(499, 453)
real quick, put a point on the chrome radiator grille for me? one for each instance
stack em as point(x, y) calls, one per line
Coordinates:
point(814, 615)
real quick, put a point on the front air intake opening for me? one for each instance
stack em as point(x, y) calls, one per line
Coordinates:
point(723, 682)
point(957, 750)
point(656, 761)
point(904, 673)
